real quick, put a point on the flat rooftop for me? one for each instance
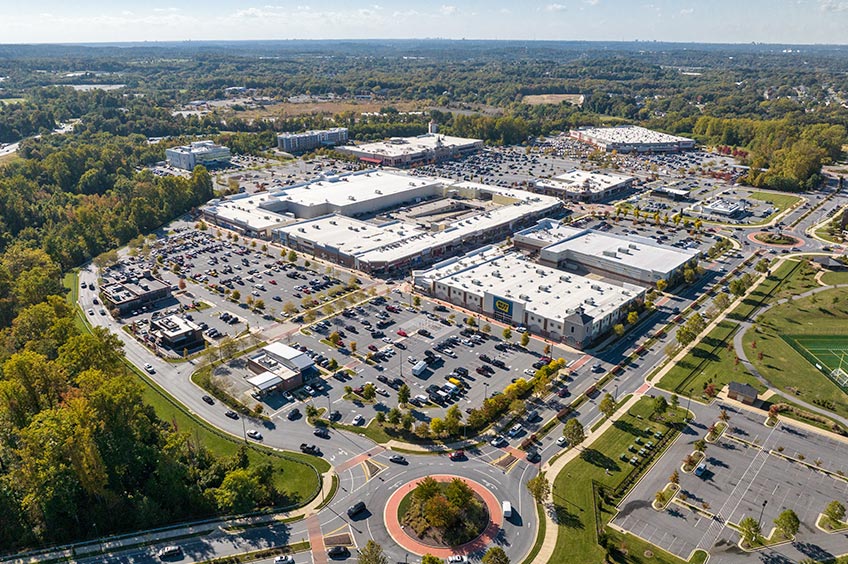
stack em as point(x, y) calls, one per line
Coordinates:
point(410, 145)
point(120, 292)
point(396, 240)
point(633, 251)
point(577, 180)
point(629, 134)
point(174, 326)
point(546, 292)
point(548, 231)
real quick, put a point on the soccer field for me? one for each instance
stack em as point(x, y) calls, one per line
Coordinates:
point(828, 353)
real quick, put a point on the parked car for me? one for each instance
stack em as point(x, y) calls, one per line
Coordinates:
point(254, 434)
point(397, 459)
point(338, 552)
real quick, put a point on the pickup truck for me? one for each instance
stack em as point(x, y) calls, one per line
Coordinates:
point(309, 449)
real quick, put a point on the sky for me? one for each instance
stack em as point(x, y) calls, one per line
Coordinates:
point(715, 21)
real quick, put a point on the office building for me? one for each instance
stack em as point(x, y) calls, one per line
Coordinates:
point(205, 153)
point(310, 140)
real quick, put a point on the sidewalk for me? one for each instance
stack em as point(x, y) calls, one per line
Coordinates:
point(552, 529)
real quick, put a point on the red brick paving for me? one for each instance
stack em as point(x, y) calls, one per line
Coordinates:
point(358, 459)
point(316, 540)
point(390, 518)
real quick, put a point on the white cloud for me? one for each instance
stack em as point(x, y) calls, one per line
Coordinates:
point(686, 11)
point(833, 6)
point(447, 10)
point(555, 8)
point(592, 2)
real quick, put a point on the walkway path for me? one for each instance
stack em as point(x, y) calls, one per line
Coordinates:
point(316, 540)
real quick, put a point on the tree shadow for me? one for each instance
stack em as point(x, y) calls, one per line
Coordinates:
point(562, 516)
point(597, 458)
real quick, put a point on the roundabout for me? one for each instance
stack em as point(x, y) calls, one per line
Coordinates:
point(409, 540)
point(777, 240)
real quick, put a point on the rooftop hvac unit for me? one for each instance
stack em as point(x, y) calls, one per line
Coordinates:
point(624, 250)
point(634, 246)
point(596, 287)
point(608, 253)
point(524, 297)
point(541, 272)
point(564, 278)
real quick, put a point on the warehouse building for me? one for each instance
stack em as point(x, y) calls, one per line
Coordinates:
point(404, 152)
point(584, 185)
point(510, 289)
point(467, 215)
point(310, 140)
point(204, 153)
point(635, 259)
point(631, 139)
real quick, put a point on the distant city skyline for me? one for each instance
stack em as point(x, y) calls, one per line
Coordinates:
point(718, 21)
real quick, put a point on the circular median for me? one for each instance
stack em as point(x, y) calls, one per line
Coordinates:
point(780, 240)
point(480, 528)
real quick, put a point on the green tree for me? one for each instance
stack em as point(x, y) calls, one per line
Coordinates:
point(236, 295)
point(439, 512)
point(458, 492)
point(403, 394)
point(369, 391)
point(394, 416)
point(430, 559)
point(507, 333)
point(426, 489)
point(539, 487)
point(660, 405)
point(238, 492)
point(762, 266)
point(661, 285)
point(372, 553)
point(517, 407)
point(787, 523)
point(750, 530)
point(416, 301)
point(334, 338)
point(525, 339)
point(495, 555)
point(607, 405)
point(835, 511)
point(292, 257)
point(573, 432)
point(721, 301)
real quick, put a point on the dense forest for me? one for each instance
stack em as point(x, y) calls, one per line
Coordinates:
point(80, 453)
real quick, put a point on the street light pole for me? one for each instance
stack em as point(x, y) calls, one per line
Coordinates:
point(243, 429)
point(689, 401)
point(486, 391)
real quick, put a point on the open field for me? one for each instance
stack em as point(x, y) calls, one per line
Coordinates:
point(575, 500)
point(5, 101)
point(537, 99)
point(825, 313)
point(834, 278)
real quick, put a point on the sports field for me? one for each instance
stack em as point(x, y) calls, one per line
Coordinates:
point(828, 353)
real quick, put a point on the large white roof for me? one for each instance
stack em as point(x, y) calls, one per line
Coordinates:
point(547, 292)
point(411, 145)
point(577, 180)
point(629, 134)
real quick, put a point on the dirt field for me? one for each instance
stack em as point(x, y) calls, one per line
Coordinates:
point(536, 99)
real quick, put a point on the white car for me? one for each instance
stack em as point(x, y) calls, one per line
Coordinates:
point(457, 558)
point(358, 420)
point(382, 392)
point(284, 559)
point(529, 371)
point(254, 434)
point(387, 340)
point(149, 368)
point(562, 441)
point(309, 390)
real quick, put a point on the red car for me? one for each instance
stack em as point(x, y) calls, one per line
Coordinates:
point(372, 348)
point(402, 333)
point(274, 282)
point(457, 455)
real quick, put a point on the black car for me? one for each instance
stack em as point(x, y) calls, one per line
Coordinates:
point(335, 415)
point(499, 363)
point(231, 414)
point(321, 432)
point(337, 551)
point(501, 347)
point(208, 399)
point(293, 414)
point(485, 358)
point(424, 333)
point(533, 456)
point(356, 508)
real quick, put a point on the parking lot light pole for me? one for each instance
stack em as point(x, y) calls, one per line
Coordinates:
point(762, 510)
point(486, 391)
point(688, 402)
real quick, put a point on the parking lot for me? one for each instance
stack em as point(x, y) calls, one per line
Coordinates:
point(745, 476)
point(421, 347)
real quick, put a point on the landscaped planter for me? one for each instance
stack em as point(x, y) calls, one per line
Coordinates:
point(698, 456)
point(669, 492)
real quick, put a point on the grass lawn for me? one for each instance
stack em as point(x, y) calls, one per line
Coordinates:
point(825, 313)
point(295, 474)
point(834, 278)
point(574, 497)
point(779, 201)
point(709, 361)
point(791, 278)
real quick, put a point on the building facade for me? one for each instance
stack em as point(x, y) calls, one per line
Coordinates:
point(204, 153)
point(310, 140)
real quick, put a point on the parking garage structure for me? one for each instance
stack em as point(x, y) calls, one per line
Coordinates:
point(507, 287)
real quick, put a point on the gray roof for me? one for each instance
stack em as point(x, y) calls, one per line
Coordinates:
point(744, 389)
